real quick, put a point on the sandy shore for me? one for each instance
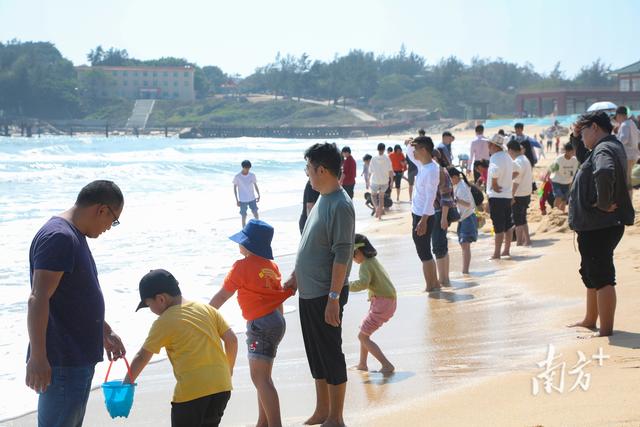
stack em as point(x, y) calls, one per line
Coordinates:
point(464, 356)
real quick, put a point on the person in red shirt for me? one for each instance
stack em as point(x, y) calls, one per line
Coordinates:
point(399, 165)
point(348, 178)
point(260, 296)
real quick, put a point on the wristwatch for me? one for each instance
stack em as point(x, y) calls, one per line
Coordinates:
point(334, 295)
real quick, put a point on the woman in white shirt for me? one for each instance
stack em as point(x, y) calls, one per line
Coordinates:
point(419, 151)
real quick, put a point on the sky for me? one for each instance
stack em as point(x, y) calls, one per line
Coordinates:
point(240, 35)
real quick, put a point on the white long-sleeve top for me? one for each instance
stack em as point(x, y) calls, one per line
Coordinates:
point(426, 185)
point(629, 135)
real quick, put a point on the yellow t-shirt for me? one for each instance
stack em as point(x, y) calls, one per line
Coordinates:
point(191, 333)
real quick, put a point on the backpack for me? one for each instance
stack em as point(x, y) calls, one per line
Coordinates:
point(478, 197)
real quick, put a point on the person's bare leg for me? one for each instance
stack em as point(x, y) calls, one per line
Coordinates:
point(374, 349)
point(497, 245)
point(430, 275)
point(519, 235)
point(321, 413)
point(606, 310)
point(527, 236)
point(398, 194)
point(262, 415)
point(364, 353)
point(466, 257)
point(380, 204)
point(267, 393)
point(591, 314)
point(410, 192)
point(443, 270)
point(507, 243)
point(255, 215)
point(336, 405)
point(244, 220)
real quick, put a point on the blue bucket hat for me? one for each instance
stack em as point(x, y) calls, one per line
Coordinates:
point(256, 236)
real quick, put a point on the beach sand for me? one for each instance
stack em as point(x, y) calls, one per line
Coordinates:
point(465, 356)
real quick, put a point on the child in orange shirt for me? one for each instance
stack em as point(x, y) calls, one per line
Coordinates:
point(260, 295)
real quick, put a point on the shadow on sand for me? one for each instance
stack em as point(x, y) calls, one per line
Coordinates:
point(450, 296)
point(377, 378)
point(625, 339)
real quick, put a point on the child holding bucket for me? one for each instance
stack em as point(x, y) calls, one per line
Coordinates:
point(192, 333)
point(260, 295)
point(382, 294)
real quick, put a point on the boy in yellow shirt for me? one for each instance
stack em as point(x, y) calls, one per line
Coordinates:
point(191, 332)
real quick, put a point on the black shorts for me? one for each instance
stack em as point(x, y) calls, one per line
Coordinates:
point(596, 251)
point(205, 411)
point(323, 342)
point(411, 176)
point(397, 178)
point(519, 210)
point(423, 243)
point(500, 212)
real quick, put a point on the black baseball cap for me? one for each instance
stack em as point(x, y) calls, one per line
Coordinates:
point(157, 282)
point(447, 133)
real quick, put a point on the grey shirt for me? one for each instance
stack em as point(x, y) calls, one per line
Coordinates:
point(327, 238)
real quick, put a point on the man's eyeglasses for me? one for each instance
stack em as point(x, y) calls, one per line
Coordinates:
point(116, 221)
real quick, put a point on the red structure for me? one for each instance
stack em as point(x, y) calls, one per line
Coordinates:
point(571, 101)
point(625, 90)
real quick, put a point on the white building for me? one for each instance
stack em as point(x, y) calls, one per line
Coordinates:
point(145, 82)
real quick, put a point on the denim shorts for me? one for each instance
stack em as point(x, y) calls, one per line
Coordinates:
point(251, 205)
point(264, 334)
point(439, 242)
point(468, 229)
point(561, 190)
point(65, 401)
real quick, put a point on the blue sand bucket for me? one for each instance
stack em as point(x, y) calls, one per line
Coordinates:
point(118, 396)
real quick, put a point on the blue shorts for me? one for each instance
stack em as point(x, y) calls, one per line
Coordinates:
point(468, 229)
point(439, 241)
point(264, 335)
point(561, 190)
point(251, 205)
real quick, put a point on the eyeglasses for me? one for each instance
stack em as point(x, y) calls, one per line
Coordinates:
point(116, 221)
point(308, 166)
point(585, 127)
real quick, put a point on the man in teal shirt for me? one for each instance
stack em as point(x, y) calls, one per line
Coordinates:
point(321, 276)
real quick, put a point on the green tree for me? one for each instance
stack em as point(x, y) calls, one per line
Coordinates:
point(594, 75)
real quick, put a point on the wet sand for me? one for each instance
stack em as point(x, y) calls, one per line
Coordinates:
point(463, 356)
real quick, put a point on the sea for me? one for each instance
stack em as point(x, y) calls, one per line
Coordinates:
point(179, 211)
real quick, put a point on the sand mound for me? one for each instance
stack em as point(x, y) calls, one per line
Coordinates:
point(554, 222)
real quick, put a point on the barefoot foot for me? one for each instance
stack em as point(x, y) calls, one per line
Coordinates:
point(387, 369)
point(582, 324)
point(316, 419)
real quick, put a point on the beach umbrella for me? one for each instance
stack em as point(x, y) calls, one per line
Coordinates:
point(602, 105)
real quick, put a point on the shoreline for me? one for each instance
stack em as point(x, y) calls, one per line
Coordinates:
point(452, 359)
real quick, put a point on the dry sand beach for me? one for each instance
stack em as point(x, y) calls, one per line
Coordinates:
point(465, 356)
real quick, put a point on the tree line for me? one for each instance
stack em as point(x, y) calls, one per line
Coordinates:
point(37, 81)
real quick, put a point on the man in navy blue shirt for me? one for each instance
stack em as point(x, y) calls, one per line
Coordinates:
point(65, 316)
point(445, 148)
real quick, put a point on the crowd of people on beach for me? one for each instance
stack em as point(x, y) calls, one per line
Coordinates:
point(66, 313)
